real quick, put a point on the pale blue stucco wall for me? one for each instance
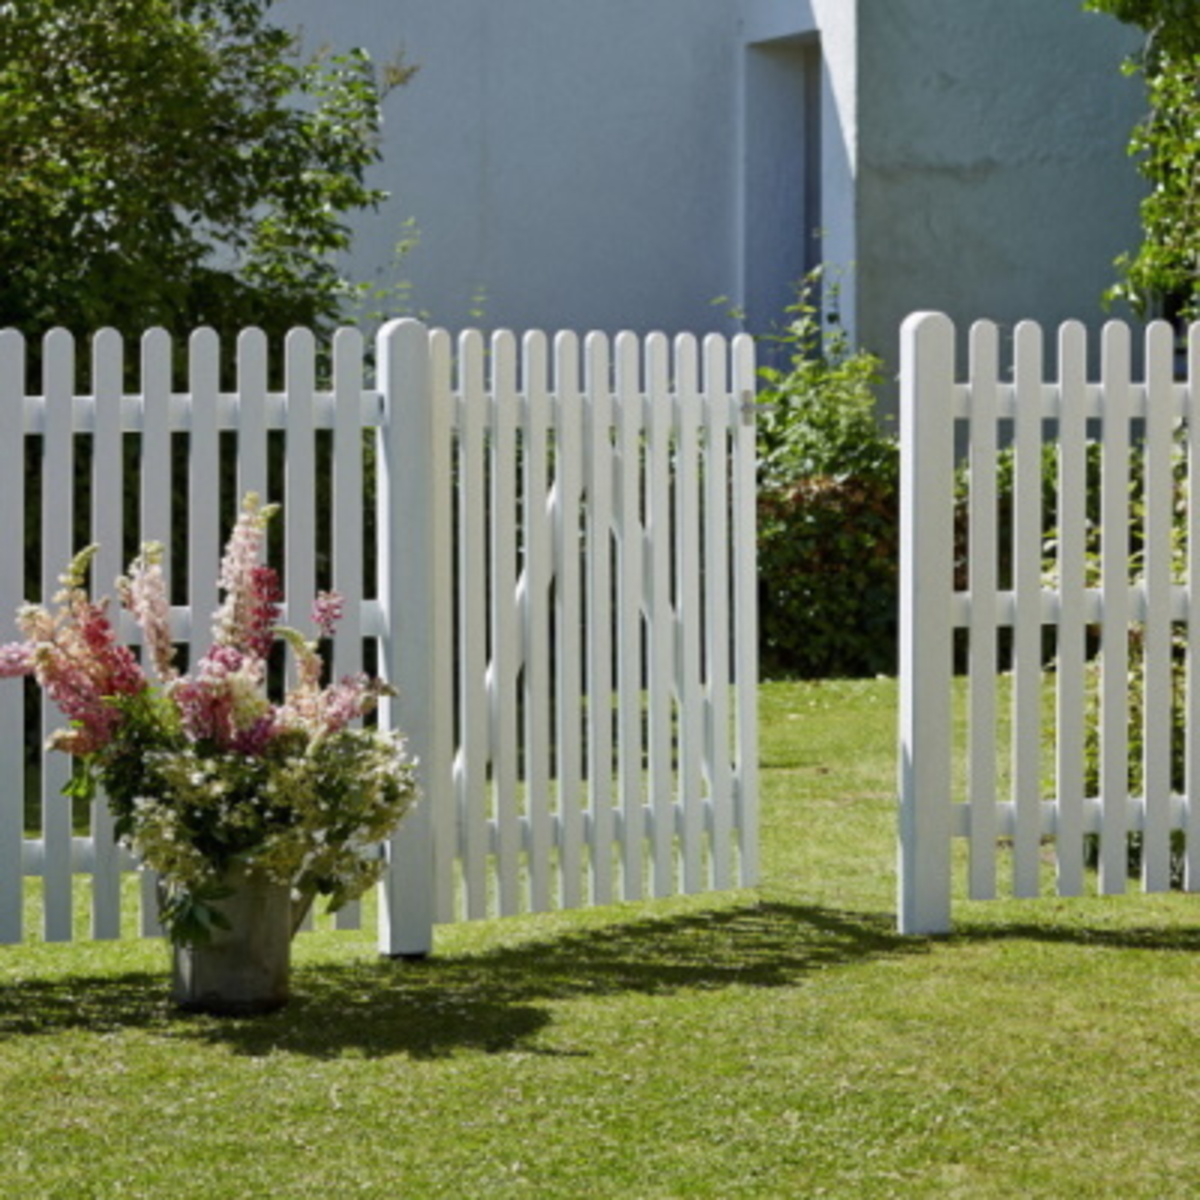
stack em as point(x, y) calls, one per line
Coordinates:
point(992, 177)
point(619, 163)
point(576, 161)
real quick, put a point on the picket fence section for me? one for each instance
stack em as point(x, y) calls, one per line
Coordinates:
point(1086, 642)
point(557, 572)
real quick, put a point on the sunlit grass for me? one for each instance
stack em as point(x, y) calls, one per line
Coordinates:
point(783, 1042)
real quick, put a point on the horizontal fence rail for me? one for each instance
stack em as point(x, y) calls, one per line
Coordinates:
point(548, 547)
point(1058, 582)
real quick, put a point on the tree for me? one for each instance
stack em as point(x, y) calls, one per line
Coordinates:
point(1164, 274)
point(176, 163)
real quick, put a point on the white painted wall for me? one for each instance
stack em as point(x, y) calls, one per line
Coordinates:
point(620, 163)
point(992, 174)
point(576, 161)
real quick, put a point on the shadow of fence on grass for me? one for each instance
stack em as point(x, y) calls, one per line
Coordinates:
point(491, 1002)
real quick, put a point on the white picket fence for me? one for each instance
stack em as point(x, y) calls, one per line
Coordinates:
point(564, 593)
point(1016, 789)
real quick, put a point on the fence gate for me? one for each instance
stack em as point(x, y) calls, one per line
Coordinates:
point(547, 547)
point(1060, 586)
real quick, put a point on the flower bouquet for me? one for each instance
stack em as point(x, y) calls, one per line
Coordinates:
point(211, 783)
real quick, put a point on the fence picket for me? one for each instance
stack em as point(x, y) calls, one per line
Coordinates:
point(1156, 650)
point(204, 481)
point(716, 604)
point(660, 631)
point(689, 612)
point(12, 594)
point(744, 627)
point(600, 615)
point(1071, 564)
point(58, 510)
point(569, 614)
point(1027, 588)
point(631, 597)
point(1192, 687)
point(155, 508)
point(537, 575)
point(252, 413)
point(506, 630)
point(300, 472)
point(107, 501)
point(346, 520)
point(982, 580)
point(473, 623)
point(440, 740)
point(1114, 584)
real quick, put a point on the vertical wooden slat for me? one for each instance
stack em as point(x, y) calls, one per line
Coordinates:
point(299, 496)
point(630, 598)
point(537, 574)
point(689, 612)
point(1027, 588)
point(1114, 525)
point(1070, 692)
point(717, 568)
point(660, 624)
point(12, 595)
point(600, 614)
point(58, 502)
point(504, 618)
point(1156, 681)
point(156, 493)
point(745, 604)
point(1192, 697)
point(252, 414)
point(439, 749)
point(346, 524)
point(300, 470)
point(204, 478)
point(926, 524)
point(472, 622)
point(410, 474)
point(983, 582)
point(107, 499)
point(568, 613)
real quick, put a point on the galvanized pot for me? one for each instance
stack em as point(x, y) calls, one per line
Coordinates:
point(242, 970)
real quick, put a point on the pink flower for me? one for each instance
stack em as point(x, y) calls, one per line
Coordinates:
point(327, 611)
point(248, 614)
point(223, 700)
point(81, 666)
point(15, 660)
point(144, 593)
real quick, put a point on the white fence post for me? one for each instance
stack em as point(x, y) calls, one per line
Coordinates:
point(407, 477)
point(926, 639)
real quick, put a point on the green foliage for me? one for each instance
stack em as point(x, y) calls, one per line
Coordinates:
point(818, 409)
point(1164, 273)
point(828, 503)
point(176, 163)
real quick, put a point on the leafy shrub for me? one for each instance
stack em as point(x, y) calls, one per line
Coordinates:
point(827, 552)
point(828, 507)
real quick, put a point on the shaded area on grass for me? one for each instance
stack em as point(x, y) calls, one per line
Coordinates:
point(1179, 939)
point(487, 1002)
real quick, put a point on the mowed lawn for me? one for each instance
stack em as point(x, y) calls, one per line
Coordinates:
point(780, 1042)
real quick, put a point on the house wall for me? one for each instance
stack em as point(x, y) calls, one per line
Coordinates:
point(993, 180)
point(621, 163)
point(574, 162)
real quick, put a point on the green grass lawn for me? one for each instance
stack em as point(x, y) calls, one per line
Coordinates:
point(783, 1042)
